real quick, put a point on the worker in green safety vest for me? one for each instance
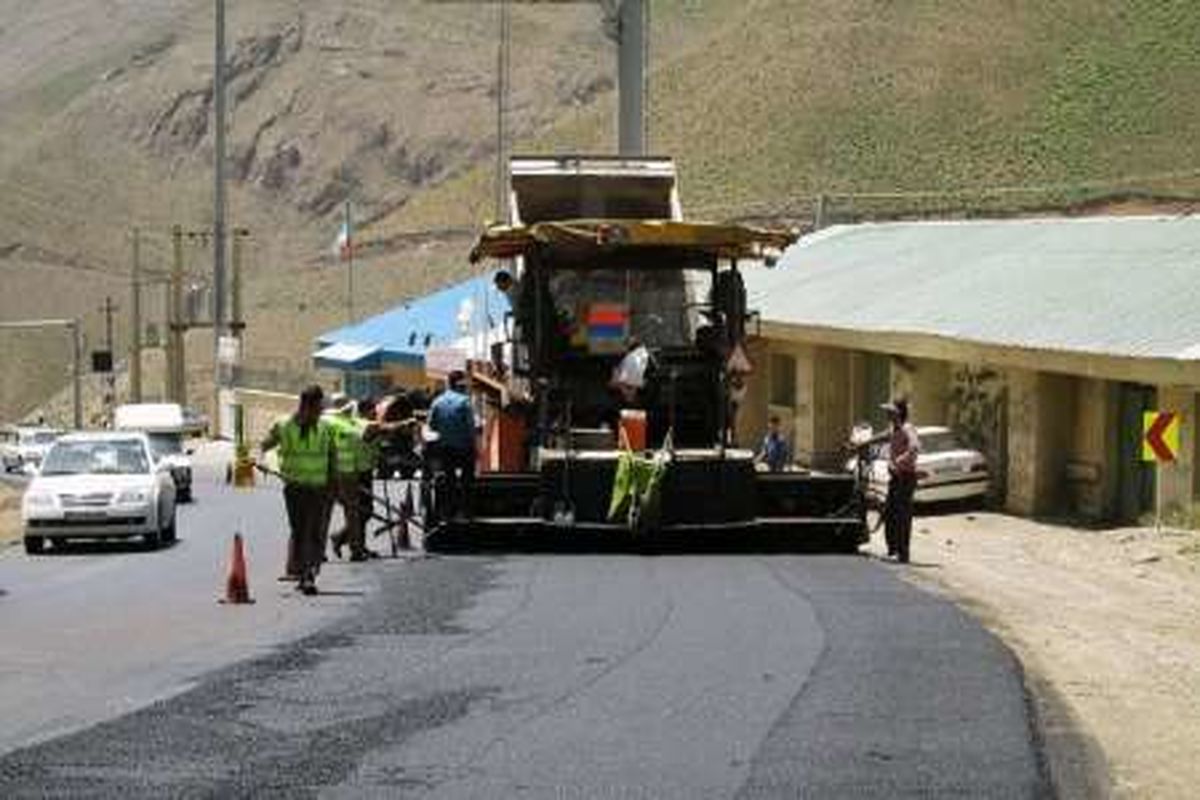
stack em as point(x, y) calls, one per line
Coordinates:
point(306, 453)
point(349, 435)
point(368, 463)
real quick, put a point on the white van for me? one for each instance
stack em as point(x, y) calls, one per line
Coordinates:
point(166, 425)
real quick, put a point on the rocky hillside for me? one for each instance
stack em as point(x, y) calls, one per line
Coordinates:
point(887, 108)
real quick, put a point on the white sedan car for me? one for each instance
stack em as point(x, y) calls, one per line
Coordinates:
point(99, 486)
point(947, 469)
point(26, 447)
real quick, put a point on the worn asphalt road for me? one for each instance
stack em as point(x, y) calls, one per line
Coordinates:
point(676, 676)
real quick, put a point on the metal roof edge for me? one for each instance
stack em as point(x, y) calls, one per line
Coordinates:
point(1155, 370)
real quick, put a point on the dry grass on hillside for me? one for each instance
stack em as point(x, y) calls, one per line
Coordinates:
point(764, 103)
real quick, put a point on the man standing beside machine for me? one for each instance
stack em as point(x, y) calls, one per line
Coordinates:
point(903, 448)
point(453, 452)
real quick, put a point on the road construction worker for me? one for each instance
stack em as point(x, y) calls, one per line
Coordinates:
point(306, 453)
point(348, 432)
point(359, 438)
point(368, 464)
point(453, 453)
point(903, 449)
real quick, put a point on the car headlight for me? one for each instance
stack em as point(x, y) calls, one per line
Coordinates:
point(39, 501)
point(130, 496)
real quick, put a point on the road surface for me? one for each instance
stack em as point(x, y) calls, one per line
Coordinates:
point(725, 676)
point(102, 629)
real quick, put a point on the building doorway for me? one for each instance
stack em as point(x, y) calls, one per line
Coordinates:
point(1135, 478)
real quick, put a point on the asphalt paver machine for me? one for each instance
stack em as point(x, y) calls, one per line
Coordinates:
point(605, 270)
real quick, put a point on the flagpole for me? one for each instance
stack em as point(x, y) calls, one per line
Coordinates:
point(349, 267)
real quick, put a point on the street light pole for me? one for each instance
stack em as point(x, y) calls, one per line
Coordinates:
point(218, 211)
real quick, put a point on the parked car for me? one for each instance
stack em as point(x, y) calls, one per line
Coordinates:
point(166, 424)
point(99, 486)
point(947, 469)
point(25, 447)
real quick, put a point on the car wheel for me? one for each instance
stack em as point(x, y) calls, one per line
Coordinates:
point(34, 544)
point(171, 533)
point(154, 539)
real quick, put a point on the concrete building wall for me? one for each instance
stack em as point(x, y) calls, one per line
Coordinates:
point(821, 407)
point(926, 384)
point(1041, 411)
point(407, 377)
point(977, 409)
point(1053, 439)
point(802, 427)
point(260, 410)
point(751, 423)
point(832, 407)
point(1195, 446)
point(1091, 471)
point(1179, 477)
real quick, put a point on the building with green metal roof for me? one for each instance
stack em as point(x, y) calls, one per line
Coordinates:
point(1043, 340)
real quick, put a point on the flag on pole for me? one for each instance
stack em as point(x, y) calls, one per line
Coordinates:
point(342, 245)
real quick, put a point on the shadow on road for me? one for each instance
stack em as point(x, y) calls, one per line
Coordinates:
point(97, 547)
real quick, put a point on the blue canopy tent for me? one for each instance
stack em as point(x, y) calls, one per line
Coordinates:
point(400, 337)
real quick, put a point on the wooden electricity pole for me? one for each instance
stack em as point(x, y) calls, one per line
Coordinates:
point(176, 374)
point(110, 378)
point(135, 323)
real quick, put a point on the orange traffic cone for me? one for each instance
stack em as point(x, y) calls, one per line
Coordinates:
point(237, 588)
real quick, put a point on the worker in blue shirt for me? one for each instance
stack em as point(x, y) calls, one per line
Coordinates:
point(775, 452)
point(453, 452)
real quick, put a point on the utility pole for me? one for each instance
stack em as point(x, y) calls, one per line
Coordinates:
point(628, 18)
point(135, 314)
point(76, 373)
point(631, 67)
point(219, 328)
point(503, 73)
point(176, 374)
point(237, 322)
point(349, 255)
point(110, 379)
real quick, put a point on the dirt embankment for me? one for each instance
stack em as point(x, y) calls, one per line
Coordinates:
point(10, 514)
point(1105, 624)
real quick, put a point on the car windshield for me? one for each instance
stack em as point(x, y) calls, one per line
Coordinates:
point(109, 457)
point(39, 437)
point(941, 442)
point(166, 444)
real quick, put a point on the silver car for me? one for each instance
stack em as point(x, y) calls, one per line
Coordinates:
point(100, 486)
point(24, 448)
point(947, 468)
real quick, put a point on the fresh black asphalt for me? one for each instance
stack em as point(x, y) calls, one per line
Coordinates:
point(588, 676)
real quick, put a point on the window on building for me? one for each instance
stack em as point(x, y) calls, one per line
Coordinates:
point(783, 380)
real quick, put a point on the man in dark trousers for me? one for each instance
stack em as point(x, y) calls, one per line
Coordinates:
point(903, 449)
point(453, 420)
point(306, 454)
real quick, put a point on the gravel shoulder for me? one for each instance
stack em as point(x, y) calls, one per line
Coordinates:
point(1105, 623)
